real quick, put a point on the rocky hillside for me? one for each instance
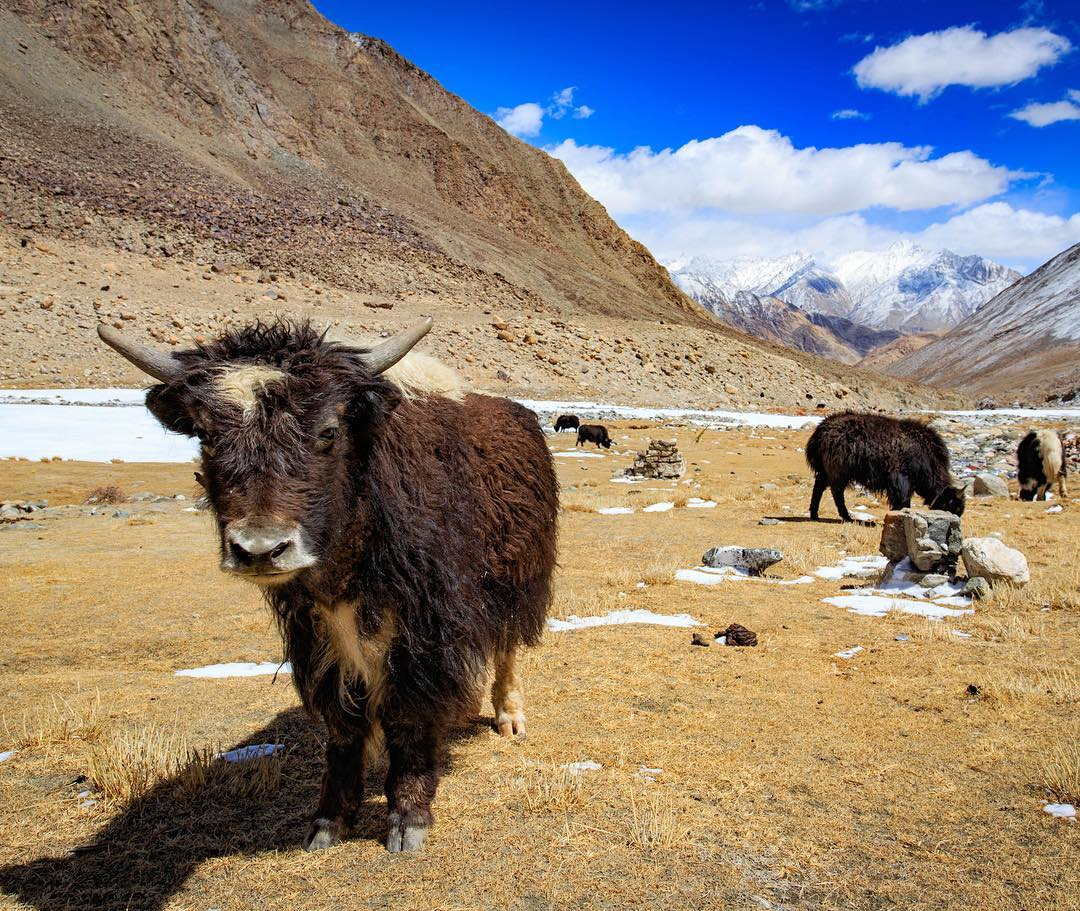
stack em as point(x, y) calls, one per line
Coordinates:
point(234, 158)
point(1024, 343)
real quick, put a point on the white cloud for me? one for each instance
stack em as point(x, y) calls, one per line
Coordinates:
point(521, 120)
point(528, 119)
point(752, 170)
point(850, 114)
point(996, 229)
point(924, 65)
point(1042, 115)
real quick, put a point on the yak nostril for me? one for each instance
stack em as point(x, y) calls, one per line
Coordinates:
point(239, 554)
point(279, 550)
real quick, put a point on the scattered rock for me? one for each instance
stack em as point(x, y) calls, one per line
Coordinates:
point(990, 485)
point(978, 588)
point(755, 560)
point(699, 639)
point(768, 520)
point(930, 538)
point(995, 562)
point(933, 580)
point(737, 634)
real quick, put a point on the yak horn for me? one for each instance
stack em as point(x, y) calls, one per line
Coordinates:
point(384, 355)
point(162, 367)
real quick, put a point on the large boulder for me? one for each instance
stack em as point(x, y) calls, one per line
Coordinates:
point(989, 559)
point(990, 485)
point(930, 538)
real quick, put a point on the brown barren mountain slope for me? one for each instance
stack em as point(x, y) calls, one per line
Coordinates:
point(148, 141)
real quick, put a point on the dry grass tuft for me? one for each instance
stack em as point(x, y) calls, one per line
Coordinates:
point(1012, 628)
point(653, 824)
point(108, 494)
point(129, 764)
point(585, 602)
point(1059, 685)
point(1060, 773)
point(934, 631)
point(61, 723)
point(543, 789)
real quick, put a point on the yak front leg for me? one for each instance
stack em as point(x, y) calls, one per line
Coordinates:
point(411, 781)
point(506, 696)
point(838, 499)
point(342, 792)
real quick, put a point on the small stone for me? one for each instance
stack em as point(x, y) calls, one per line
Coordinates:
point(699, 639)
point(768, 520)
point(933, 580)
point(978, 588)
point(755, 560)
point(121, 514)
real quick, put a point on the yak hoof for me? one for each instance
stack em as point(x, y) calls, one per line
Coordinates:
point(323, 833)
point(511, 724)
point(404, 836)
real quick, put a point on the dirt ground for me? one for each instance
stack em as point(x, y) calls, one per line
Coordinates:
point(911, 776)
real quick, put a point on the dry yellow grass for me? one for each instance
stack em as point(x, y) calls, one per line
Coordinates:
point(789, 776)
point(1060, 773)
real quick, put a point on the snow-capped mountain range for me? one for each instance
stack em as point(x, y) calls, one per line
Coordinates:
point(905, 287)
point(1026, 340)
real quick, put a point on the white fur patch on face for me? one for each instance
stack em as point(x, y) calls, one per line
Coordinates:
point(242, 386)
point(420, 374)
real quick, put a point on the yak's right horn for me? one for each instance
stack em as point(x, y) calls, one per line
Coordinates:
point(161, 366)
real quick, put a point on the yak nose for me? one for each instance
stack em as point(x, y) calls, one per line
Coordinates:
point(263, 546)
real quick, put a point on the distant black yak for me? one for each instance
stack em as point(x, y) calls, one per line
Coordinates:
point(567, 422)
point(593, 433)
point(1040, 461)
point(887, 456)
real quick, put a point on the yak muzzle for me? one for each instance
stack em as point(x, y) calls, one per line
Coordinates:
point(264, 549)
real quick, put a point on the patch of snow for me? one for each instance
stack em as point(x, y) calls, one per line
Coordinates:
point(89, 433)
point(252, 751)
point(237, 669)
point(880, 605)
point(624, 480)
point(659, 507)
point(6, 755)
point(620, 617)
point(579, 455)
point(586, 765)
point(714, 575)
point(720, 640)
point(614, 510)
point(648, 774)
point(1061, 810)
point(852, 566)
point(596, 410)
point(960, 634)
point(698, 503)
point(1053, 509)
point(849, 653)
point(120, 397)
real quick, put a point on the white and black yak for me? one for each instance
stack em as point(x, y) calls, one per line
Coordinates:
point(1040, 460)
point(888, 456)
point(402, 531)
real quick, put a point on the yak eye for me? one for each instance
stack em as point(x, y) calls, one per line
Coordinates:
point(326, 439)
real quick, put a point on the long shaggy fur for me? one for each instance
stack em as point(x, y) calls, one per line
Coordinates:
point(1040, 461)
point(892, 457)
point(433, 516)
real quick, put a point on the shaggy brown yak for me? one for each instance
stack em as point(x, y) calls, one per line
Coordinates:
point(887, 456)
point(402, 532)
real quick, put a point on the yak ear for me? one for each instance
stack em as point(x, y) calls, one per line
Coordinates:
point(371, 406)
point(168, 406)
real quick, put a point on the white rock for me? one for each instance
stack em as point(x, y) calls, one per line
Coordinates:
point(994, 561)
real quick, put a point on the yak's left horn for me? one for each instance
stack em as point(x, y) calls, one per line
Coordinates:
point(384, 355)
point(162, 367)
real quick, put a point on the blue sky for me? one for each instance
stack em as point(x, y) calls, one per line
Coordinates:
point(825, 125)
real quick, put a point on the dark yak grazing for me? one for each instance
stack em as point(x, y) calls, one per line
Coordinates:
point(567, 422)
point(593, 433)
point(402, 536)
point(888, 456)
point(1040, 460)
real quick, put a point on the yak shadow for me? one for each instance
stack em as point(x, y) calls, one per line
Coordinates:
point(790, 520)
point(143, 856)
